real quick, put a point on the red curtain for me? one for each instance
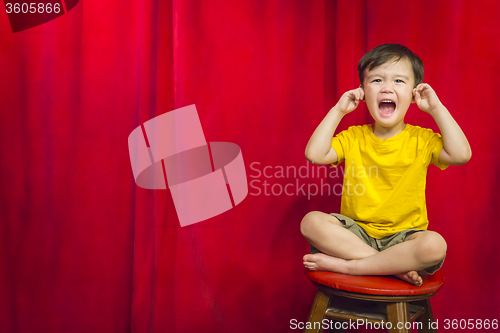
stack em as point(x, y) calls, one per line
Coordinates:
point(83, 249)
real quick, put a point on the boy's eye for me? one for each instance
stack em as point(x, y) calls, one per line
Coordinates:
point(399, 81)
point(377, 80)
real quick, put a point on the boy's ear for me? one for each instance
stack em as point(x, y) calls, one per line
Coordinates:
point(363, 92)
point(413, 96)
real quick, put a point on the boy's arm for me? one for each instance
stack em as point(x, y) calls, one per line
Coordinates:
point(456, 148)
point(319, 148)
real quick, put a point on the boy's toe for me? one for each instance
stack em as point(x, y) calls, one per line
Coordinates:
point(308, 257)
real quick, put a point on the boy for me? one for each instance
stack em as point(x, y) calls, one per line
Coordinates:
point(383, 226)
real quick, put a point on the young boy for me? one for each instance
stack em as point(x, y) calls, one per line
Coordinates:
point(383, 226)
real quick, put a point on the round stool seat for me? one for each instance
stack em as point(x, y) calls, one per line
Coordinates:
point(376, 285)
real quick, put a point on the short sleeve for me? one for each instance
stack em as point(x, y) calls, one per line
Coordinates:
point(434, 148)
point(340, 143)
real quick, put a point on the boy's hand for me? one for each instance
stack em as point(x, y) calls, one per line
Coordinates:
point(350, 100)
point(426, 98)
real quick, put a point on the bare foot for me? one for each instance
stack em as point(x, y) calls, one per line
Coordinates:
point(323, 262)
point(411, 277)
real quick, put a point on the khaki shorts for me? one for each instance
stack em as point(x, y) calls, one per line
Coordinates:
point(379, 244)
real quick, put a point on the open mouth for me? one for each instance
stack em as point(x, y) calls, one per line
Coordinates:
point(386, 107)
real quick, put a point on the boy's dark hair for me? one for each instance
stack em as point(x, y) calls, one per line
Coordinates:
point(387, 52)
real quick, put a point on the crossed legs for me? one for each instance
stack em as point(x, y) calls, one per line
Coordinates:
point(344, 252)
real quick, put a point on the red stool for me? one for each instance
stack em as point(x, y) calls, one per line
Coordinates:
point(377, 301)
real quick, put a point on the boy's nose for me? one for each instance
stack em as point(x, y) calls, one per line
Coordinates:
point(387, 88)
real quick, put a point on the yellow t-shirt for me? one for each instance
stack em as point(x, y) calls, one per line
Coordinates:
point(384, 180)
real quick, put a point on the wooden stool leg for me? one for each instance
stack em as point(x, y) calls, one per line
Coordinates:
point(317, 312)
point(427, 318)
point(398, 313)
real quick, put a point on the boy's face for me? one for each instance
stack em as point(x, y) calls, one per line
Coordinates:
point(389, 92)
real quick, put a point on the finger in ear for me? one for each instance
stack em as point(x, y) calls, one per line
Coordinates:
point(362, 93)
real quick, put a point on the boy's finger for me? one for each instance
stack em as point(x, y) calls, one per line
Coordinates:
point(416, 94)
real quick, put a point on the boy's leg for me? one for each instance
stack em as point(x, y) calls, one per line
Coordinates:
point(419, 251)
point(326, 233)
